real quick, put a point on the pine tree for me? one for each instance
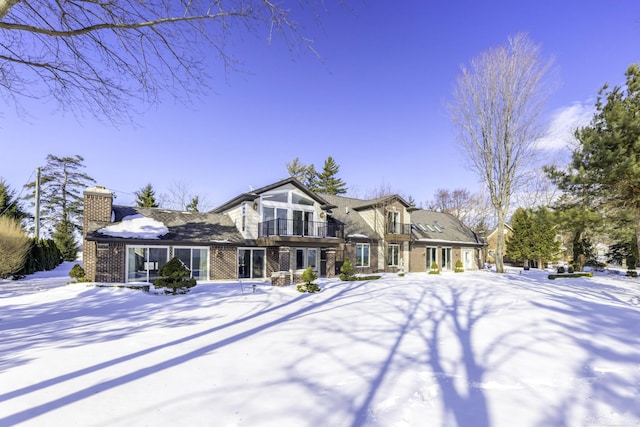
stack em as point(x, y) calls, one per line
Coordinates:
point(9, 204)
point(605, 166)
point(65, 240)
point(62, 184)
point(306, 174)
point(146, 197)
point(327, 181)
point(534, 236)
point(193, 205)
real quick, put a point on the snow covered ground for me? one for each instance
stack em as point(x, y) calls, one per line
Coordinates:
point(473, 349)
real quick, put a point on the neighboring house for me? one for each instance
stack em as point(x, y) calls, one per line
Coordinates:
point(492, 244)
point(272, 233)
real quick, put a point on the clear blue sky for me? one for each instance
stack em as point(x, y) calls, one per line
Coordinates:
point(375, 101)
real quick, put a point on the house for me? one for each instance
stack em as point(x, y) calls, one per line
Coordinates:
point(492, 244)
point(271, 233)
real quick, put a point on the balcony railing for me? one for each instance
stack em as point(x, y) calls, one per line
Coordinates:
point(398, 229)
point(288, 227)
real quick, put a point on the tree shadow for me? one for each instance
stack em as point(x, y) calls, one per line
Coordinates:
point(49, 309)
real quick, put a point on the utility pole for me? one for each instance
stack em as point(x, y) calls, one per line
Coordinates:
point(37, 217)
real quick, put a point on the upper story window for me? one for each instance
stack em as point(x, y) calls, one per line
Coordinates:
point(393, 222)
point(298, 199)
point(282, 197)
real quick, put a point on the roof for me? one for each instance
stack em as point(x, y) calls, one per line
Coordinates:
point(345, 212)
point(254, 194)
point(185, 227)
point(432, 226)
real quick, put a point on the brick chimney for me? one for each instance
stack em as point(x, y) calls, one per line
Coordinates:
point(98, 203)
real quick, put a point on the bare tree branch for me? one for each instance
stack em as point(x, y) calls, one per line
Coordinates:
point(100, 57)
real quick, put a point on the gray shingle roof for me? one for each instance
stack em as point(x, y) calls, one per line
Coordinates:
point(354, 224)
point(440, 227)
point(193, 227)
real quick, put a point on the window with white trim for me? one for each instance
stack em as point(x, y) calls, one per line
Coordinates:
point(393, 255)
point(362, 254)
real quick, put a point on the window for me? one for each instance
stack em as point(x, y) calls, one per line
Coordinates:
point(196, 260)
point(362, 255)
point(446, 258)
point(143, 262)
point(298, 199)
point(393, 254)
point(306, 257)
point(251, 263)
point(275, 221)
point(432, 256)
point(393, 222)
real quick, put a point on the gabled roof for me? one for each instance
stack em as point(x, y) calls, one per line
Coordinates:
point(345, 212)
point(186, 227)
point(380, 201)
point(251, 196)
point(432, 226)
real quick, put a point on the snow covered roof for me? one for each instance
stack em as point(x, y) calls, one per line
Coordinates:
point(166, 225)
point(136, 227)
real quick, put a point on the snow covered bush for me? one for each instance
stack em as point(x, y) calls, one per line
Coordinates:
point(175, 277)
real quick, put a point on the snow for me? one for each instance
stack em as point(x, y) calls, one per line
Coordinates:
point(136, 227)
point(470, 349)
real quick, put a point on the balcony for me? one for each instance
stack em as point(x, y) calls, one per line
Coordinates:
point(398, 229)
point(296, 228)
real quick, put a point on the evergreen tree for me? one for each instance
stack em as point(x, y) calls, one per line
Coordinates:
point(9, 204)
point(63, 237)
point(193, 205)
point(327, 181)
point(306, 174)
point(605, 166)
point(62, 184)
point(534, 236)
point(146, 197)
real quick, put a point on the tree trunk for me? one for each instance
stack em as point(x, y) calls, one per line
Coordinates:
point(500, 244)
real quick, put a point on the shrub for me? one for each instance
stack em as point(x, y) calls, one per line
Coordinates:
point(14, 246)
point(571, 275)
point(347, 272)
point(308, 276)
point(434, 268)
point(77, 273)
point(175, 276)
point(632, 273)
point(44, 255)
point(372, 277)
point(560, 270)
point(459, 267)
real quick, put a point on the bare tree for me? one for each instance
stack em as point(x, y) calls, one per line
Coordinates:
point(181, 197)
point(469, 208)
point(496, 106)
point(98, 57)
